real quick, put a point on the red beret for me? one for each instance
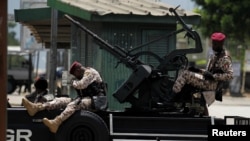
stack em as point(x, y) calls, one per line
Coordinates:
point(217, 36)
point(74, 66)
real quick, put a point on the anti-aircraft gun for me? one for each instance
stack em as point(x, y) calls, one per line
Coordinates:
point(152, 85)
point(151, 116)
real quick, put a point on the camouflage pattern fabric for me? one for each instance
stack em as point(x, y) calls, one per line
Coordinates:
point(90, 75)
point(223, 63)
point(71, 105)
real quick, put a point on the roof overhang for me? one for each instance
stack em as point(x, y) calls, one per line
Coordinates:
point(38, 20)
point(136, 11)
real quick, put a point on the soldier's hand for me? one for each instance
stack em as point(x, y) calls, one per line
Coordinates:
point(208, 75)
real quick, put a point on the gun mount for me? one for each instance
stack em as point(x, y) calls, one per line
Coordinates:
point(152, 85)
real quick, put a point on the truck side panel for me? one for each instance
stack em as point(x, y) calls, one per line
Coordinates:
point(161, 127)
point(23, 127)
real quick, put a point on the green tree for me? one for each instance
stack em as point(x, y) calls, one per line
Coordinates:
point(11, 34)
point(229, 16)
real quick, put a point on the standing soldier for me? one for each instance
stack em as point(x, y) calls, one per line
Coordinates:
point(88, 84)
point(219, 69)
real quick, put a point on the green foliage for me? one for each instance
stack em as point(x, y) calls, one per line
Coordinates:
point(228, 16)
point(11, 34)
point(231, 17)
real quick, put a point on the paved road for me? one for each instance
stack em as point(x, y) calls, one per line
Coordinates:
point(231, 106)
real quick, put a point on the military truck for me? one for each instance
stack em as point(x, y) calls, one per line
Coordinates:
point(18, 68)
point(150, 116)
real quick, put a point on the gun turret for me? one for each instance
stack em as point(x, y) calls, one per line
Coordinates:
point(182, 52)
point(153, 85)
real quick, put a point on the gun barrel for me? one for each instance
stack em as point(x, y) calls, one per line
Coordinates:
point(111, 49)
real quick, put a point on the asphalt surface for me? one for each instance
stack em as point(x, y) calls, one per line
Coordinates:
point(230, 105)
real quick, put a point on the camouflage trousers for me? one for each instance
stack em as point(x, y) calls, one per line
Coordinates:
point(69, 105)
point(194, 79)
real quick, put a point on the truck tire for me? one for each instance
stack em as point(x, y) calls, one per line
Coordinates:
point(83, 126)
point(11, 86)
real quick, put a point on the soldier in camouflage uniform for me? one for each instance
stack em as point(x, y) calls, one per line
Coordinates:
point(85, 76)
point(219, 69)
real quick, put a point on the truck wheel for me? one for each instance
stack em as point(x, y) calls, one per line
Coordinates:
point(11, 86)
point(83, 126)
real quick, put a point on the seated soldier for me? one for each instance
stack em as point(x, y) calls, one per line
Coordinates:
point(219, 69)
point(88, 84)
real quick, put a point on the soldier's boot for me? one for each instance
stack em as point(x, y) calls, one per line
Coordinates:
point(53, 124)
point(32, 108)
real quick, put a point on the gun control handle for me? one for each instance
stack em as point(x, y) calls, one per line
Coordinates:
point(184, 25)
